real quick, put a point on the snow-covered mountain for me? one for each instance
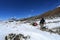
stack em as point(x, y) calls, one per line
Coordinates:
point(23, 26)
point(34, 32)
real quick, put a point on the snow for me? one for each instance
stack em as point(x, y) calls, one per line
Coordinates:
point(58, 6)
point(53, 23)
point(27, 29)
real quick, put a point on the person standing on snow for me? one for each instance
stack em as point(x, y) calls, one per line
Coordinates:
point(42, 22)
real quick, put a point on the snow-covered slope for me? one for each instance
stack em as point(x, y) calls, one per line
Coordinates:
point(27, 29)
point(51, 23)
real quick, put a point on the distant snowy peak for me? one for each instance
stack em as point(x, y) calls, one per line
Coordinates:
point(12, 19)
point(58, 6)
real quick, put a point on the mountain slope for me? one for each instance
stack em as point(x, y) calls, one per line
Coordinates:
point(51, 13)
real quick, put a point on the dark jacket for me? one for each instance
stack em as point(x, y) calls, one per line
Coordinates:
point(42, 21)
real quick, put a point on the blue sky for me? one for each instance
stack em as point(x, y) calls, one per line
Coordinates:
point(25, 8)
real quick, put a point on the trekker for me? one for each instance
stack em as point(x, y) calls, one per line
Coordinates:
point(42, 22)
